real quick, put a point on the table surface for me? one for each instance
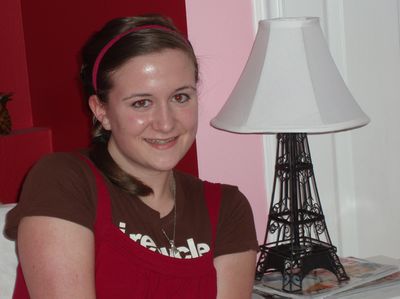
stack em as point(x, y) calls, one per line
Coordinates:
point(391, 292)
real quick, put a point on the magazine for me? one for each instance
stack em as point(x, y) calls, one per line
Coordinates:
point(385, 282)
point(321, 283)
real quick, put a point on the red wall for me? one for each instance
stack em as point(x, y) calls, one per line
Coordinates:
point(13, 69)
point(39, 62)
point(54, 33)
point(20, 149)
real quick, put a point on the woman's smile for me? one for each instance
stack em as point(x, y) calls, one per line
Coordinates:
point(163, 143)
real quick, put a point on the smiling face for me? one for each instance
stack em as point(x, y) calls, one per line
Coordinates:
point(151, 112)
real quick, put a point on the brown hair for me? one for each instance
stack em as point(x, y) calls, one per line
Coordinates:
point(141, 42)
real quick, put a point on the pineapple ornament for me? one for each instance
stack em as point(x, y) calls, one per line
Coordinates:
point(5, 119)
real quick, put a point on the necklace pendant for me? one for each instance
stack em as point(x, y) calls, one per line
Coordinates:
point(174, 250)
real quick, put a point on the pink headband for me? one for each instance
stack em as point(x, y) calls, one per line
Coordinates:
point(113, 41)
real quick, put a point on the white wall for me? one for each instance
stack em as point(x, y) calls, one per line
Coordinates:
point(357, 172)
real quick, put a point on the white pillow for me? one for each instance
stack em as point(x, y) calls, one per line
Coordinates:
point(8, 258)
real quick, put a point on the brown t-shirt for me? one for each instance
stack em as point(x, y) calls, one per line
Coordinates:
point(62, 185)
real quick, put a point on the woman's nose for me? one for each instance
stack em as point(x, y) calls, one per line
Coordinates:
point(163, 119)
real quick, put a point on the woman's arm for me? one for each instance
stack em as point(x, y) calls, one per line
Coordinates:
point(57, 258)
point(235, 274)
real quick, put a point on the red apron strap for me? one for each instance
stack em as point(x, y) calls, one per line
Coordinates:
point(212, 194)
point(20, 289)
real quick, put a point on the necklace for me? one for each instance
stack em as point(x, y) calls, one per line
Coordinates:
point(171, 242)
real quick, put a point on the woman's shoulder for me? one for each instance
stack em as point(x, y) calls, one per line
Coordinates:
point(59, 170)
point(186, 177)
point(62, 158)
point(60, 164)
point(235, 216)
point(192, 182)
point(58, 185)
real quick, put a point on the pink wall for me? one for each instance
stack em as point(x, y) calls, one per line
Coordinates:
point(222, 35)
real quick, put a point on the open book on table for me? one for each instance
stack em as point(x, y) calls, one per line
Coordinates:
point(321, 283)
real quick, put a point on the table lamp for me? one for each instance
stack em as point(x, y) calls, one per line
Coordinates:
point(291, 87)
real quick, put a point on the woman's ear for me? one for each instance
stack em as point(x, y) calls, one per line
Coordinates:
point(99, 111)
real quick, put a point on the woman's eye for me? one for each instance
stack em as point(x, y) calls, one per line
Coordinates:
point(181, 98)
point(141, 104)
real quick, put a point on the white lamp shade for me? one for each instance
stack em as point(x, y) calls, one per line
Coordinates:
point(290, 84)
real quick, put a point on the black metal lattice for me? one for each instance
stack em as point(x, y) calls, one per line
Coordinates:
point(297, 239)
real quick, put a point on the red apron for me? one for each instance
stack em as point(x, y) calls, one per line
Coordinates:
point(125, 269)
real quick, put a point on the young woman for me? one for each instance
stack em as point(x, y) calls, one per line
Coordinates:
point(117, 221)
